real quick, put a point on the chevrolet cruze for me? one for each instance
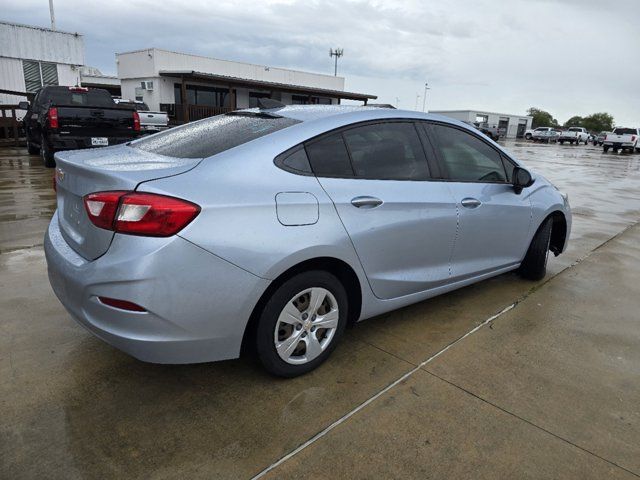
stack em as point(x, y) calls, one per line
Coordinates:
point(272, 229)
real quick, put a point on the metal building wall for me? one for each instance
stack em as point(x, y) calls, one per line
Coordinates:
point(34, 43)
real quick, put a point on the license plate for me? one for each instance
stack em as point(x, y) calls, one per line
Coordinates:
point(99, 141)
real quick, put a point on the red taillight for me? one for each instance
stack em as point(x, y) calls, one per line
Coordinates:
point(633, 138)
point(136, 121)
point(606, 136)
point(135, 213)
point(53, 117)
point(122, 304)
point(102, 207)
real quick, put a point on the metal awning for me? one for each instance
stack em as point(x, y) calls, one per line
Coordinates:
point(263, 85)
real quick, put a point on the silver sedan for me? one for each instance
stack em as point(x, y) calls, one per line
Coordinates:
point(270, 230)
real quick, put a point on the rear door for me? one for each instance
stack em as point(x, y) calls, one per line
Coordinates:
point(402, 225)
point(494, 221)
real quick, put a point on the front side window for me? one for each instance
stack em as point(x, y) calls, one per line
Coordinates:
point(466, 158)
point(386, 151)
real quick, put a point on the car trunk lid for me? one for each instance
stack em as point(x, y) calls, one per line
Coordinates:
point(79, 173)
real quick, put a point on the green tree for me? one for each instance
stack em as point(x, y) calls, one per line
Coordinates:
point(598, 122)
point(576, 121)
point(541, 118)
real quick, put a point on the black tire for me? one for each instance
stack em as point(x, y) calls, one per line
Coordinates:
point(527, 136)
point(561, 142)
point(32, 149)
point(615, 150)
point(264, 339)
point(605, 149)
point(46, 153)
point(534, 265)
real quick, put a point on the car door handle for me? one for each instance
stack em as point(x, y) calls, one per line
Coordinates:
point(470, 202)
point(366, 202)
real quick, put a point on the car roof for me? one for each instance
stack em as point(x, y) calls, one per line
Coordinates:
point(350, 113)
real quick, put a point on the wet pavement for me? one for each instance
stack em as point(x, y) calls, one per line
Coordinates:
point(550, 388)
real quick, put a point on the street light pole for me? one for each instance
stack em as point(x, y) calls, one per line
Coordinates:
point(53, 16)
point(424, 99)
point(338, 52)
point(417, 98)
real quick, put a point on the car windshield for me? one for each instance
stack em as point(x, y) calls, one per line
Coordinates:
point(213, 135)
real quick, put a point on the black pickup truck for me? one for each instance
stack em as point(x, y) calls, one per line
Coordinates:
point(69, 118)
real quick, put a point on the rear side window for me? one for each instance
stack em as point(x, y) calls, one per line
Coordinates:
point(466, 158)
point(212, 135)
point(386, 151)
point(329, 158)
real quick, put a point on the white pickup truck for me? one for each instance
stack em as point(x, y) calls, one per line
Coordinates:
point(622, 139)
point(574, 135)
point(528, 135)
point(150, 122)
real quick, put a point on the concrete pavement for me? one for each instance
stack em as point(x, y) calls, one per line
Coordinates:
point(539, 395)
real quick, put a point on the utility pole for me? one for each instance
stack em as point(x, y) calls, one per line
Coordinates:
point(424, 99)
point(338, 52)
point(417, 98)
point(53, 15)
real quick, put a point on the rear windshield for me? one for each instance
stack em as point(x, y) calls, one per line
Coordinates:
point(212, 135)
point(91, 98)
point(625, 131)
point(575, 129)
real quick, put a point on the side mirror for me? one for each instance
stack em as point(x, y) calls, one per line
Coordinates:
point(521, 179)
point(23, 105)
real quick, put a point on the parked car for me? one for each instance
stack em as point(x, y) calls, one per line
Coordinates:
point(272, 229)
point(529, 133)
point(546, 136)
point(69, 118)
point(492, 132)
point(574, 135)
point(598, 139)
point(622, 139)
point(150, 122)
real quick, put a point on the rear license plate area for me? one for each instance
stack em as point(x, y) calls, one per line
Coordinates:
point(99, 141)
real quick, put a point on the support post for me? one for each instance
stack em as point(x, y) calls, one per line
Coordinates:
point(185, 106)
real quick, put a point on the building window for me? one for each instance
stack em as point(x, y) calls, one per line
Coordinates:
point(39, 74)
point(255, 96)
point(299, 99)
point(482, 118)
point(204, 96)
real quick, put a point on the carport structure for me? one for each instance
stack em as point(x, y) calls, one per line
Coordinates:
point(225, 88)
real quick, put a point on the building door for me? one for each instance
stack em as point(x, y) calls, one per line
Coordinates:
point(522, 128)
point(503, 126)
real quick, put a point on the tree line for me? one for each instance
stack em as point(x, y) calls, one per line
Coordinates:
point(596, 122)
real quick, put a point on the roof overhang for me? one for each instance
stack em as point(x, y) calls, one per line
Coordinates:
point(263, 85)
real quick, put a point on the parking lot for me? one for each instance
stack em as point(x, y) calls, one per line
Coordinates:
point(503, 379)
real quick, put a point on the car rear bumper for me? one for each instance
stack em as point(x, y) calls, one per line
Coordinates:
point(618, 144)
point(74, 142)
point(197, 304)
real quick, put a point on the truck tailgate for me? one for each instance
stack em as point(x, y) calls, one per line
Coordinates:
point(95, 121)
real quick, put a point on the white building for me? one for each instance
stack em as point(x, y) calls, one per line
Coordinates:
point(31, 57)
point(162, 79)
point(514, 126)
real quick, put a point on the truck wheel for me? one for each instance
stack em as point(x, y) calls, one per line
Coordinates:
point(32, 149)
point(605, 149)
point(561, 142)
point(615, 150)
point(46, 153)
point(527, 136)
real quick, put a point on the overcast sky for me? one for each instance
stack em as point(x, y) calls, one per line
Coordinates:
point(570, 57)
